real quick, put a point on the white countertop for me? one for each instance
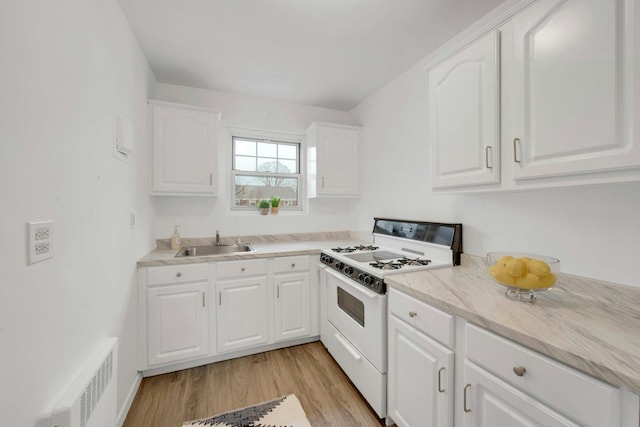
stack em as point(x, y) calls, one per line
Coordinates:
point(590, 325)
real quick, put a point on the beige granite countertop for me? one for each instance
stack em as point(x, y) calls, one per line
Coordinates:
point(590, 325)
point(266, 246)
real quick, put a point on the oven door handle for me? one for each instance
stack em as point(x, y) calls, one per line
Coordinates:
point(354, 353)
point(354, 285)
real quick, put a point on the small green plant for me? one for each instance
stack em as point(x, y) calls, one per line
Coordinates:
point(263, 204)
point(275, 201)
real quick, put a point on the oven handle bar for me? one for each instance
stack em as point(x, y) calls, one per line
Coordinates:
point(353, 286)
point(348, 347)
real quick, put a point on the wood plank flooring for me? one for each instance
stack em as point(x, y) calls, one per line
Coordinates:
point(325, 392)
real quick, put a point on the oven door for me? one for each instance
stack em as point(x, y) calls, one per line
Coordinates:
point(359, 314)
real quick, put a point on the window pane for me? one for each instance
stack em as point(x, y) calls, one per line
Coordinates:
point(249, 190)
point(267, 165)
point(286, 151)
point(287, 166)
point(267, 149)
point(245, 163)
point(244, 147)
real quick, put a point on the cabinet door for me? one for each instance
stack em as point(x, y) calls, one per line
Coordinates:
point(242, 313)
point(489, 402)
point(291, 306)
point(337, 161)
point(176, 323)
point(183, 150)
point(463, 117)
point(572, 94)
point(420, 378)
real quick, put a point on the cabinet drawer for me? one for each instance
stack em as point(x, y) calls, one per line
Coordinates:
point(577, 395)
point(291, 264)
point(433, 322)
point(177, 274)
point(249, 267)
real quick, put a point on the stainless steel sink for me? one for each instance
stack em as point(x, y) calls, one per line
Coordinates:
point(213, 250)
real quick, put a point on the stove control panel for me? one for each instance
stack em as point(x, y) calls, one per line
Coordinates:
point(374, 283)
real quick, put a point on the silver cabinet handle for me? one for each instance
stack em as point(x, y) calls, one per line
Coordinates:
point(488, 149)
point(219, 297)
point(519, 370)
point(178, 274)
point(516, 143)
point(278, 291)
point(203, 300)
point(210, 178)
point(412, 314)
point(466, 409)
point(440, 389)
point(323, 182)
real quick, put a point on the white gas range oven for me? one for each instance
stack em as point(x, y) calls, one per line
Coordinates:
point(354, 301)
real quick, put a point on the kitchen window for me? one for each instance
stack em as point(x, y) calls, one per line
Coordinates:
point(265, 168)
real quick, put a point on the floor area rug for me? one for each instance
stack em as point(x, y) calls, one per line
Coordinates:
point(284, 411)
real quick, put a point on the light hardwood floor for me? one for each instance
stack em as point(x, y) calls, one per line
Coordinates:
point(325, 392)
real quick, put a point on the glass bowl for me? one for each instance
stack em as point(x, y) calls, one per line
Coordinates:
point(523, 274)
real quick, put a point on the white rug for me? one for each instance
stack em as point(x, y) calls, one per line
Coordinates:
point(285, 411)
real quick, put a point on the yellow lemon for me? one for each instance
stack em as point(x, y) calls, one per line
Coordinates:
point(500, 274)
point(504, 260)
point(539, 268)
point(526, 259)
point(517, 267)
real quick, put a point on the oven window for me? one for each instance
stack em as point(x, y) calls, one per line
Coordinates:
point(351, 305)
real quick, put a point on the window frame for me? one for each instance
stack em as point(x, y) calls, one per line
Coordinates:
point(270, 137)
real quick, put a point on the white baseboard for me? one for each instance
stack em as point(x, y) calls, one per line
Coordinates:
point(122, 416)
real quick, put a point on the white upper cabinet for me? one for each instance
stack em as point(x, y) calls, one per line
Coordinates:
point(572, 92)
point(184, 148)
point(464, 116)
point(333, 160)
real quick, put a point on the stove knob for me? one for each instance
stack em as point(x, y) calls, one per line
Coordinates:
point(348, 270)
point(361, 277)
point(368, 280)
point(339, 265)
point(326, 258)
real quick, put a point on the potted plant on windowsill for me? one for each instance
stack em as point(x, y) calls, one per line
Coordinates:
point(275, 203)
point(263, 205)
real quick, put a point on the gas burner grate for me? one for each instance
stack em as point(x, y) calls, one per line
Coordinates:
point(365, 248)
point(343, 250)
point(414, 261)
point(389, 265)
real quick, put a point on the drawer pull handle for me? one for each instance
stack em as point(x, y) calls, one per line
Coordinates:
point(243, 268)
point(440, 389)
point(178, 274)
point(412, 314)
point(488, 149)
point(293, 265)
point(519, 370)
point(466, 409)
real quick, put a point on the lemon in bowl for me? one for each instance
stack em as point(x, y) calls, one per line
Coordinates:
point(523, 274)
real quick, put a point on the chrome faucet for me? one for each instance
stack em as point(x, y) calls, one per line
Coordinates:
point(217, 238)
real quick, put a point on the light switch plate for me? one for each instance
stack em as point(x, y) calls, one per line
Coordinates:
point(39, 241)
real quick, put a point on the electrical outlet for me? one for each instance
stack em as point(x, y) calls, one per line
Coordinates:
point(42, 248)
point(39, 241)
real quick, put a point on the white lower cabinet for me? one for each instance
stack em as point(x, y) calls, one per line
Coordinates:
point(497, 382)
point(193, 314)
point(419, 378)
point(242, 315)
point(177, 322)
point(420, 369)
point(489, 402)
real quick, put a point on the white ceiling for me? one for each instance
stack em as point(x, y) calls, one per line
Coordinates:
point(328, 53)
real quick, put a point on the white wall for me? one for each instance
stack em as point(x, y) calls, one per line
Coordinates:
point(68, 67)
point(594, 230)
point(200, 217)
